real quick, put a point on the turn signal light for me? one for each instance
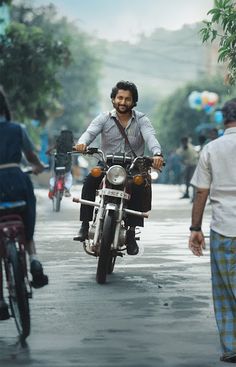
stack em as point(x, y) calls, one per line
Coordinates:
point(96, 171)
point(138, 180)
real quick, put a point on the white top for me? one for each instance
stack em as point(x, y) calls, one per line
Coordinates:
point(216, 170)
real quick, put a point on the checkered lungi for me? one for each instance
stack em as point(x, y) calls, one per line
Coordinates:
point(223, 268)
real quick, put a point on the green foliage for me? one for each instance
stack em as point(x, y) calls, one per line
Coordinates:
point(30, 60)
point(174, 118)
point(223, 18)
point(80, 95)
point(48, 68)
point(5, 2)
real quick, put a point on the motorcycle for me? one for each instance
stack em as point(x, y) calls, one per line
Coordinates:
point(107, 233)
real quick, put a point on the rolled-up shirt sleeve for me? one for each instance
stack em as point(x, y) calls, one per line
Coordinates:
point(149, 135)
point(202, 176)
point(93, 130)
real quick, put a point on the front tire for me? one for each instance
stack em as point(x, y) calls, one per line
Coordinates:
point(111, 264)
point(105, 248)
point(18, 296)
point(57, 201)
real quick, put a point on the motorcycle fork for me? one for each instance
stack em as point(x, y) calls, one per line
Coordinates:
point(100, 217)
point(118, 224)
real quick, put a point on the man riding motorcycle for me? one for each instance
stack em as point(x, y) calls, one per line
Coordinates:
point(122, 130)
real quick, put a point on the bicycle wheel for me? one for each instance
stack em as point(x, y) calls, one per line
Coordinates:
point(105, 248)
point(57, 201)
point(18, 296)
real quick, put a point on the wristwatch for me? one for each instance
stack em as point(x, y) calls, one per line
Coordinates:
point(195, 229)
point(158, 155)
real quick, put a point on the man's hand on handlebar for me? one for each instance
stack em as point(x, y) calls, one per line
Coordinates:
point(158, 162)
point(81, 148)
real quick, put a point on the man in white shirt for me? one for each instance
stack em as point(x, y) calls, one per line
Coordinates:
point(215, 175)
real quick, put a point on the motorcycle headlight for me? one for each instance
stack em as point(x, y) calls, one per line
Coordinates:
point(116, 175)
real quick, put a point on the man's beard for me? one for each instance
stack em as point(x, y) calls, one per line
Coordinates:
point(124, 110)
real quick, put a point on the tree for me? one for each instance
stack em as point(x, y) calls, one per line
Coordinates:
point(30, 60)
point(5, 2)
point(75, 92)
point(28, 65)
point(174, 118)
point(223, 17)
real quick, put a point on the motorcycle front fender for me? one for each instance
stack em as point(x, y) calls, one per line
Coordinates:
point(112, 207)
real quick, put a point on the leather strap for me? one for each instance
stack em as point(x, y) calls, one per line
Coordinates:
point(123, 133)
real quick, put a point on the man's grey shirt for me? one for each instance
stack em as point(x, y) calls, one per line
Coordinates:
point(139, 131)
point(216, 170)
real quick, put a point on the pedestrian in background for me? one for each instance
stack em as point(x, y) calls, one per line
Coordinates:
point(215, 176)
point(189, 158)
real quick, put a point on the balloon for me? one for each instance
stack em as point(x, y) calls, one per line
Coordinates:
point(218, 117)
point(198, 100)
point(205, 97)
point(213, 98)
point(193, 99)
point(203, 100)
point(208, 109)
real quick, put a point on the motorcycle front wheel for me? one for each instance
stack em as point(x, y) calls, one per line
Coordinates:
point(111, 264)
point(105, 248)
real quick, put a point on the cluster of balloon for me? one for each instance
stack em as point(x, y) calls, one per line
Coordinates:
point(203, 101)
point(218, 117)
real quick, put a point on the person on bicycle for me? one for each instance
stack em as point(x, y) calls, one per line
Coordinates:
point(16, 185)
point(139, 131)
point(64, 143)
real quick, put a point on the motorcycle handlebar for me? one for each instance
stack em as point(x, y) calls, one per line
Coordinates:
point(87, 151)
point(92, 150)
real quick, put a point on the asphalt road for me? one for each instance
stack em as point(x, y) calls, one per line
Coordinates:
point(155, 311)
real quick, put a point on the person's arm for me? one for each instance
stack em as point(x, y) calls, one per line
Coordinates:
point(149, 136)
point(201, 180)
point(196, 239)
point(28, 149)
point(93, 130)
point(32, 158)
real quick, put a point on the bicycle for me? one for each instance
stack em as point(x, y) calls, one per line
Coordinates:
point(13, 256)
point(57, 183)
point(58, 188)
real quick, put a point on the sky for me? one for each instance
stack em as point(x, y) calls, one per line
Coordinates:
point(125, 20)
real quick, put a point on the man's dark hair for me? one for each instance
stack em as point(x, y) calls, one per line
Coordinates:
point(229, 111)
point(4, 107)
point(126, 85)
